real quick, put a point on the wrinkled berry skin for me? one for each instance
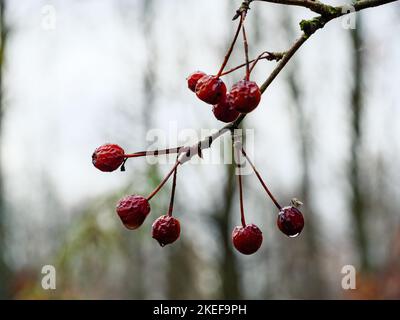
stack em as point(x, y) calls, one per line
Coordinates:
point(210, 89)
point(247, 240)
point(166, 229)
point(224, 112)
point(290, 221)
point(108, 157)
point(193, 78)
point(245, 96)
point(133, 210)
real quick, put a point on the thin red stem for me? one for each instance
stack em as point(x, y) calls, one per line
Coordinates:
point(154, 192)
point(171, 202)
point(238, 165)
point(268, 56)
point(262, 181)
point(228, 54)
point(243, 65)
point(246, 51)
point(256, 60)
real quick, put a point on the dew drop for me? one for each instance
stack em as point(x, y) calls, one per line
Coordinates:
point(294, 235)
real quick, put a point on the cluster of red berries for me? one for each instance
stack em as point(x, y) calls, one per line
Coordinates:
point(133, 209)
point(243, 97)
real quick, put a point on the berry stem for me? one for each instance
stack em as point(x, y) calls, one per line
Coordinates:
point(262, 181)
point(238, 165)
point(264, 55)
point(154, 192)
point(153, 153)
point(171, 202)
point(228, 54)
point(246, 51)
point(255, 61)
point(243, 65)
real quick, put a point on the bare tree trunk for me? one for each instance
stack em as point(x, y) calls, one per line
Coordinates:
point(4, 271)
point(312, 276)
point(151, 53)
point(138, 289)
point(312, 273)
point(181, 273)
point(228, 269)
point(357, 199)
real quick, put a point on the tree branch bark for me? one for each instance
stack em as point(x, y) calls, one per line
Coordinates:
point(327, 13)
point(315, 6)
point(325, 9)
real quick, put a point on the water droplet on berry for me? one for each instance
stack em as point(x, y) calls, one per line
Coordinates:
point(290, 221)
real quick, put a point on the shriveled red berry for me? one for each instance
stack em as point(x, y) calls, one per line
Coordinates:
point(224, 112)
point(193, 78)
point(290, 221)
point(133, 210)
point(245, 96)
point(210, 89)
point(108, 157)
point(247, 240)
point(166, 229)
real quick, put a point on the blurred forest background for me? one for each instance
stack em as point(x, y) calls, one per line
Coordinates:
point(77, 74)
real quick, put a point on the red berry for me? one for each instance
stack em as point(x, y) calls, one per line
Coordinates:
point(224, 112)
point(245, 96)
point(133, 210)
point(193, 78)
point(247, 240)
point(166, 229)
point(210, 89)
point(290, 221)
point(108, 157)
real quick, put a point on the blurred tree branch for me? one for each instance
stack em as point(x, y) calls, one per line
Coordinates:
point(358, 198)
point(4, 271)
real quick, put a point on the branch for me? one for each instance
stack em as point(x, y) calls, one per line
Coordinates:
point(310, 26)
point(360, 5)
point(324, 9)
point(287, 56)
point(315, 6)
point(327, 13)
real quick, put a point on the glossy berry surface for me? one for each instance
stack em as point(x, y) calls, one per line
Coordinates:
point(133, 210)
point(245, 96)
point(108, 157)
point(166, 229)
point(247, 240)
point(290, 221)
point(193, 78)
point(224, 112)
point(210, 89)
